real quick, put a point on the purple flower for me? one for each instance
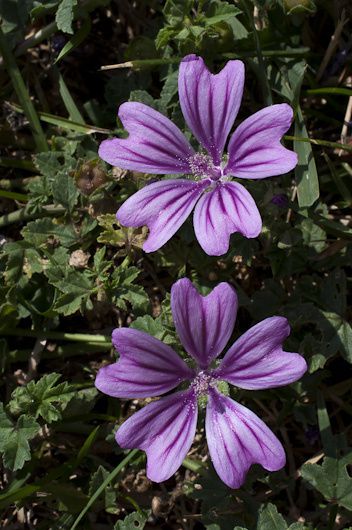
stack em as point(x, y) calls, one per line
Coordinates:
point(210, 105)
point(165, 429)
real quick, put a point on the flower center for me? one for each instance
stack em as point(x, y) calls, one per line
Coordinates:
point(202, 382)
point(202, 166)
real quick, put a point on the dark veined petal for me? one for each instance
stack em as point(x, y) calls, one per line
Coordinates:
point(226, 209)
point(163, 429)
point(147, 367)
point(256, 360)
point(203, 323)
point(154, 144)
point(255, 151)
point(237, 438)
point(210, 102)
point(163, 206)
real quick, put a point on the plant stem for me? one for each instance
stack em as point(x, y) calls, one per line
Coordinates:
point(17, 163)
point(261, 71)
point(324, 143)
point(58, 335)
point(101, 488)
point(14, 195)
point(22, 94)
point(24, 215)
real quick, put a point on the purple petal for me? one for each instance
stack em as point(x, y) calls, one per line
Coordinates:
point(255, 151)
point(154, 144)
point(210, 102)
point(237, 438)
point(257, 360)
point(203, 323)
point(228, 208)
point(147, 367)
point(163, 429)
point(163, 206)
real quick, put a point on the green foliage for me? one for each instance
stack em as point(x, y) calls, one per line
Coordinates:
point(43, 398)
point(14, 438)
point(64, 15)
point(70, 273)
point(132, 521)
point(331, 479)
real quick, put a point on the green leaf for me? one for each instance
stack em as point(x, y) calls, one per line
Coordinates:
point(14, 439)
point(270, 519)
point(42, 398)
point(76, 40)
point(132, 521)
point(305, 171)
point(108, 494)
point(65, 15)
point(222, 13)
point(125, 290)
point(41, 231)
point(76, 288)
point(65, 191)
point(331, 479)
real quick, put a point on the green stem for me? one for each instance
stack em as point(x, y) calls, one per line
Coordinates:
point(17, 164)
point(332, 517)
point(60, 352)
point(101, 488)
point(324, 143)
point(22, 94)
point(57, 335)
point(261, 71)
point(14, 195)
point(24, 215)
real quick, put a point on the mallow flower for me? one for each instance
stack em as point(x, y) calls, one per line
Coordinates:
point(210, 104)
point(165, 428)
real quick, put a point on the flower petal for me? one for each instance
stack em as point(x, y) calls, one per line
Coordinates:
point(210, 102)
point(163, 429)
point(228, 208)
point(154, 144)
point(147, 367)
point(237, 438)
point(255, 151)
point(203, 323)
point(163, 206)
point(256, 360)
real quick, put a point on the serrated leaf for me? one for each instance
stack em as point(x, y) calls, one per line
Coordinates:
point(64, 190)
point(109, 494)
point(65, 15)
point(132, 521)
point(41, 231)
point(270, 519)
point(42, 398)
point(331, 479)
point(222, 13)
point(14, 439)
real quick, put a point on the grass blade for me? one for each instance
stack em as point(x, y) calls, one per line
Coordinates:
point(22, 94)
point(102, 487)
point(306, 171)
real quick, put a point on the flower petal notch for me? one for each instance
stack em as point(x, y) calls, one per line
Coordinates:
point(203, 323)
point(163, 206)
point(154, 145)
point(164, 429)
point(210, 103)
point(147, 367)
point(237, 438)
point(257, 361)
point(227, 209)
